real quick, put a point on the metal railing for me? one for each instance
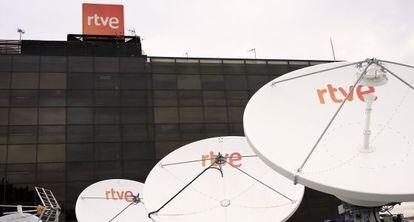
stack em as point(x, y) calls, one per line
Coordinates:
point(10, 47)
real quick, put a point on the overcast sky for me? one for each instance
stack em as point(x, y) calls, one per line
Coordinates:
point(288, 29)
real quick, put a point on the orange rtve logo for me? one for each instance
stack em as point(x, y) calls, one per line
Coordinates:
point(231, 158)
point(102, 19)
point(339, 97)
point(119, 195)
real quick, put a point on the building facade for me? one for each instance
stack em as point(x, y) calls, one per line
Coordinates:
point(71, 115)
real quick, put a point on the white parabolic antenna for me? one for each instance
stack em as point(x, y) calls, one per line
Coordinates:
point(115, 200)
point(357, 146)
point(25, 217)
point(218, 179)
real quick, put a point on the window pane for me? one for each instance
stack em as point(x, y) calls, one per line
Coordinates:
point(79, 152)
point(5, 63)
point(131, 64)
point(80, 98)
point(79, 171)
point(4, 116)
point(212, 82)
point(107, 151)
point(214, 98)
point(106, 64)
point(165, 115)
point(210, 69)
point(23, 116)
point(80, 115)
point(213, 130)
point(278, 70)
point(79, 134)
point(5, 78)
point(107, 81)
point(138, 151)
point(52, 98)
point(52, 116)
point(24, 98)
point(107, 98)
point(189, 82)
point(164, 81)
point(21, 154)
point(215, 114)
point(22, 134)
point(134, 81)
point(235, 114)
point(21, 173)
point(236, 82)
point(236, 129)
point(25, 80)
point(135, 115)
point(52, 134)
point(80, 81)
point(3, 151)
point(165, 98)
point(167, 132)
point(137, 170)
point(256, 82)
point(3, 134)
point(51, 172)
point(237, 98)
point(163, 148)
point(53, 80)
point(4, 97)
point(107, 115)
point(107, 133)
point(51, 153)
point(190, 98)
point(134, 98)
point(53, 64)
point(107, 170)
point(191, 114)
point(133, 133)
point(26, 63)
point(192, 131)
point(80, 64)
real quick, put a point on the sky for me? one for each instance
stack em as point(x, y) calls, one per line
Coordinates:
point(277, 29)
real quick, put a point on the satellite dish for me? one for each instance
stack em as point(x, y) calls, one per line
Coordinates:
point(24, 217)
point(111, 200)
point(357, 146)
point(406, 208)
point(218, 178)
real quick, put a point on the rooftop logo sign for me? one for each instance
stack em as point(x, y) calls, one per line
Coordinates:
point(102, 19)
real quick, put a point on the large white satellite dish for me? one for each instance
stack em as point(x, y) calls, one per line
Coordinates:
point(307, 126)
point(24, 217)
point(115, 200)
point(218, 179)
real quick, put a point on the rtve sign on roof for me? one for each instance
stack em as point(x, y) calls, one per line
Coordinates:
point(102, 19)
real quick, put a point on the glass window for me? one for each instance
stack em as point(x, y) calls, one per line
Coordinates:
point(80, 81)
point(191, 114)
point(52, 98)
point(165, 115)
point(4, 97)
point(214, 98)
point(213, 69)
point(51, 134)
point(165, 98)
point(106, 81)
point(22, 134)
point(255, 69)
point(4, 80)
point(53, 64)
point(134, 98)
point(107, 133)
point(107, 170)
point(80, 98)
point(51, 172)
point(80, 64)
point(213, 130)
point(237, 98)
point(162, 148)
point(235, 114)
point(25, 80)
point(80, 115)
point(77, 134)
point(134, 81)
point(138, 151)
point(137, 170)
point(21, 173)
point(135, 115)
point(234, 69)
point(167, 132)
point(5, 63)
point(163, 67)
point(51, 153)
point(277, 70)
point(107, 98)
point(52, 116)
point(164, 81)
point(131, 64)
point(133, 133)
point(186, 68)
point(24, 98)
point(106, 64)
point(21, 154)
point(215, 114)
point(23, 116)
point(188, 82)
point(53, 80)
point(236, 82)
point(107, 151)
point(4, 116)
point(79, 171)
point(23, 63)
point(256, 82)
point(192, 131)
point(3, 134)
point(107, 115)
point(212, 82)
point(236, 129)
point(79, 152)
point(190, 98)
point(3, 153)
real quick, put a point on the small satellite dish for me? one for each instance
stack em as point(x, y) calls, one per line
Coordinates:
point(24, 217)
point(341, 128)
point(218, 179)
point(115, 200)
